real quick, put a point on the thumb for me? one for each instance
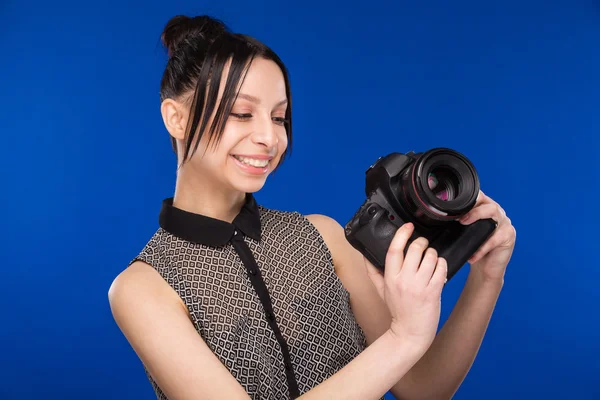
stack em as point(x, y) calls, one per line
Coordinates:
point(376, 277)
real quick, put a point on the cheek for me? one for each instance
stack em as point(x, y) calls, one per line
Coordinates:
point(283, 142)
point(281, 147)
point(212, 157)
point(223, 149)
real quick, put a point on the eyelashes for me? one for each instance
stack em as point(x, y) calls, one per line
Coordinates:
point(244, 117)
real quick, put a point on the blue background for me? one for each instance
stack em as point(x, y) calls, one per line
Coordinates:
point(85, 162)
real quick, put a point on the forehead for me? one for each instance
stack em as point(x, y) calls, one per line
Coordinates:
point(264, 79)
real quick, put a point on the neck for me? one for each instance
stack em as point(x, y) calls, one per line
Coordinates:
point(194, 194)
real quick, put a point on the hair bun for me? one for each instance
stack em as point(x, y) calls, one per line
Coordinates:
point(210, 28)
point(181, 27)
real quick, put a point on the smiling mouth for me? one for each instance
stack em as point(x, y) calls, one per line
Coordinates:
point(253, 162)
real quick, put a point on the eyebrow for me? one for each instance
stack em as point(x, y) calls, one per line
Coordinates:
point(257, 100)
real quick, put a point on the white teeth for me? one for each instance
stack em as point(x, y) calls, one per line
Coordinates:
point(253, 162)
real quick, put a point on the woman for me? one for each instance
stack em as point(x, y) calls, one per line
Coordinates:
point(232, 300)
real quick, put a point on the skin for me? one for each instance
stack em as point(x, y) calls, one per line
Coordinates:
point(398, 311)
point(214, 171)
point(445, 364)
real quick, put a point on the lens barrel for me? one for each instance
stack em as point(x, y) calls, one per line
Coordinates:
point(440, 186)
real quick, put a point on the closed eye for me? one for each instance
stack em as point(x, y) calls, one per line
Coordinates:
point(244, 117)
point(280, 121)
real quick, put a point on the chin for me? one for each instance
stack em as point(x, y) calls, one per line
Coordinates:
point(249, 186)
point(247, 180)
point(246, 183)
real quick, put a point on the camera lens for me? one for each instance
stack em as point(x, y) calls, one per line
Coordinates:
point(441, 185)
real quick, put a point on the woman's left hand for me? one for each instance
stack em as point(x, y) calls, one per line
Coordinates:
point(492, 258)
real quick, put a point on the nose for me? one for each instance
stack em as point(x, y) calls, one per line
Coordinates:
point(265, 133)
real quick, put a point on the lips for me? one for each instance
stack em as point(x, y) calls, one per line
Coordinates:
point(259, 169)
point(254, 161)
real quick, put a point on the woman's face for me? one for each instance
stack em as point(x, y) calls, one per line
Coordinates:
point(254, 137)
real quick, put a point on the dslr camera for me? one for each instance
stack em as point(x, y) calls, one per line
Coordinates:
point(432, 190)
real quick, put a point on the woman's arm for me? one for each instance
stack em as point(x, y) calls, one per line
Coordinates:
point(441, 371)
point(156, 323)
point(443, 368)
point(372, 373)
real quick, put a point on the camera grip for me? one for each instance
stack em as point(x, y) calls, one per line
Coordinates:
point(371, 232)
point(459, 243)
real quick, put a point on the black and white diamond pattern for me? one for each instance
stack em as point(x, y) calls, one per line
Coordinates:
point(310, 304)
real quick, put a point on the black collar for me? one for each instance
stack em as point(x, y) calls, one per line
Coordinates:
point(209, 231)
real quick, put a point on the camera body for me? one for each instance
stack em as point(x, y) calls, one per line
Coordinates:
point(431, 190)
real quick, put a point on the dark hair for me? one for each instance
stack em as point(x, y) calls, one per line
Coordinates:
point(199, 48)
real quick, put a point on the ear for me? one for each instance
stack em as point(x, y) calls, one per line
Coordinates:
point(174, 118)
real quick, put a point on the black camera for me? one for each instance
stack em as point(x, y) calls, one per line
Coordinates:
point(432, 190)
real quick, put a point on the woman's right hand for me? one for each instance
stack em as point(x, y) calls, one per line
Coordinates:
point(411, 286)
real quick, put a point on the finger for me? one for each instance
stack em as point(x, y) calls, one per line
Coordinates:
point(439, 278)
point(414, 255)
point(394, 257)
point(427, 266)
point(481, 197)
point(376, 277)
point(501, 237)
point(488, 210)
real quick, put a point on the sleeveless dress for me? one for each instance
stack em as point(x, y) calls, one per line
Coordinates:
point(262, 293)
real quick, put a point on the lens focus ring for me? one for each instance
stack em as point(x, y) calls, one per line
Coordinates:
point(441, 185)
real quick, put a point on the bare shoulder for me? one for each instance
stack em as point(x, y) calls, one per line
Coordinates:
point(344, 255)
point(332, 233)
point(156, 323)
point(326, 225)
point(139, 283)
point(370, 311)
point(138, 275)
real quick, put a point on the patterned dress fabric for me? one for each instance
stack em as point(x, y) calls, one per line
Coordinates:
point(262, 293)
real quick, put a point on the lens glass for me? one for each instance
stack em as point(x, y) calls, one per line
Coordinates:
point(443, 183)
point(439, 186)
